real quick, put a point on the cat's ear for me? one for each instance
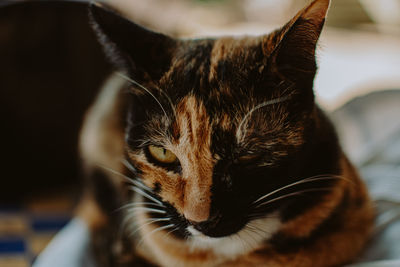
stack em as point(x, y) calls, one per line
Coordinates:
point(142, 53)
point(292, 48)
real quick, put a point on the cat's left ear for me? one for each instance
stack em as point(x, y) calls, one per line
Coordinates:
point(144, 54)
point(292, 48)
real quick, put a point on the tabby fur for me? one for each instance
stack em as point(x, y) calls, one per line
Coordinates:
point(260, 178)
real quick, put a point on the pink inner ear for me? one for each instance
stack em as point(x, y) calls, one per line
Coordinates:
point(316, 11)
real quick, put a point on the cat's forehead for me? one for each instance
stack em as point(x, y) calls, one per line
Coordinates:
point(210, 66)
point(221, 73)
point(220, 85)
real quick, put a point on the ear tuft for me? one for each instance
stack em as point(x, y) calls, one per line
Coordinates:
point(293, 47)
point(316, 11)
point(97, 14)
point(290, 51)
point(144, 54)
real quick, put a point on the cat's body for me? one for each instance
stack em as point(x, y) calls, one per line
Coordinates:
point(230, 162)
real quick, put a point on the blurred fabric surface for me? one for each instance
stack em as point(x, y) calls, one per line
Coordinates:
point(369, 129)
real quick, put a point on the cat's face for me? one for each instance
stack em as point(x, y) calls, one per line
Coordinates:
point(216, 126)
point(225, 138)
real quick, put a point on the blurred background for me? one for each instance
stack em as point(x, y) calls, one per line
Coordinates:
point(360, 47)
point(51, 67)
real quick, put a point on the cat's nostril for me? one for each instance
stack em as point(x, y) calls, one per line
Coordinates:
point(199, 226)
point(204, 226)
point(195, 224)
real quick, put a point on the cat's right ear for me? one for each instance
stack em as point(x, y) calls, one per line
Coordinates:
point(292, 48)
point(144, 54)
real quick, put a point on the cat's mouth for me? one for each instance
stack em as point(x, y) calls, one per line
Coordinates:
point(223, 233)
point(250, 236)
point(216, 227)
point(163, 215)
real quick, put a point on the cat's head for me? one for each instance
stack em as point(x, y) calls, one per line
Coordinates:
point(216, 126)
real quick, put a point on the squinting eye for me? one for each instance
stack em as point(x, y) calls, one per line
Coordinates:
point(248, 158)
point(161, 154)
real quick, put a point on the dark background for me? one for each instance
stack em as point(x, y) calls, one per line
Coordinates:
point(50, 70)
point(51, 67)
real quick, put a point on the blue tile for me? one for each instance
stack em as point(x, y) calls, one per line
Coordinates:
point(12, 246)
point(49, 223)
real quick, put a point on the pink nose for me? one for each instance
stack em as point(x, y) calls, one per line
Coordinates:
point(196, 211)
point(197, 201)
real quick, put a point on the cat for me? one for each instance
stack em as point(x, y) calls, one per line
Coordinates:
point(213, 152)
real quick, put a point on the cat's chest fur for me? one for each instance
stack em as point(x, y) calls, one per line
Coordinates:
point(214, 153)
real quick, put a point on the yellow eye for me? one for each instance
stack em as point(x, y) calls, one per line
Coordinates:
point(161, 154)
point(248, 158)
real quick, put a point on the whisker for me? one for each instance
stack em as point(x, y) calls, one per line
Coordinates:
point(264, 104)
point(116, 172)
point(254, 216)
point(144, 143)
point(173, 230)
point(240, 239)
point(253, 230)
point(139, 204)
point(306, 180)
point(129, 166)
point(248, 232)
point(155, 231)
point(131, 215)
point(139, 183)
point(147, 223)
point(244, 240)
point(143, 193)
point(144, 88)
point(259, 215)
point(128, 221)
point(294, 194)
point(128, 179)
point(147, 209)
point(259, 230)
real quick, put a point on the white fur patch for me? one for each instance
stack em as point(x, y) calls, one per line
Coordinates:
point(248, 239)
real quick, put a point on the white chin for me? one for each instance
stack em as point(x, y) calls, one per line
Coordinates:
point(251, 237)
